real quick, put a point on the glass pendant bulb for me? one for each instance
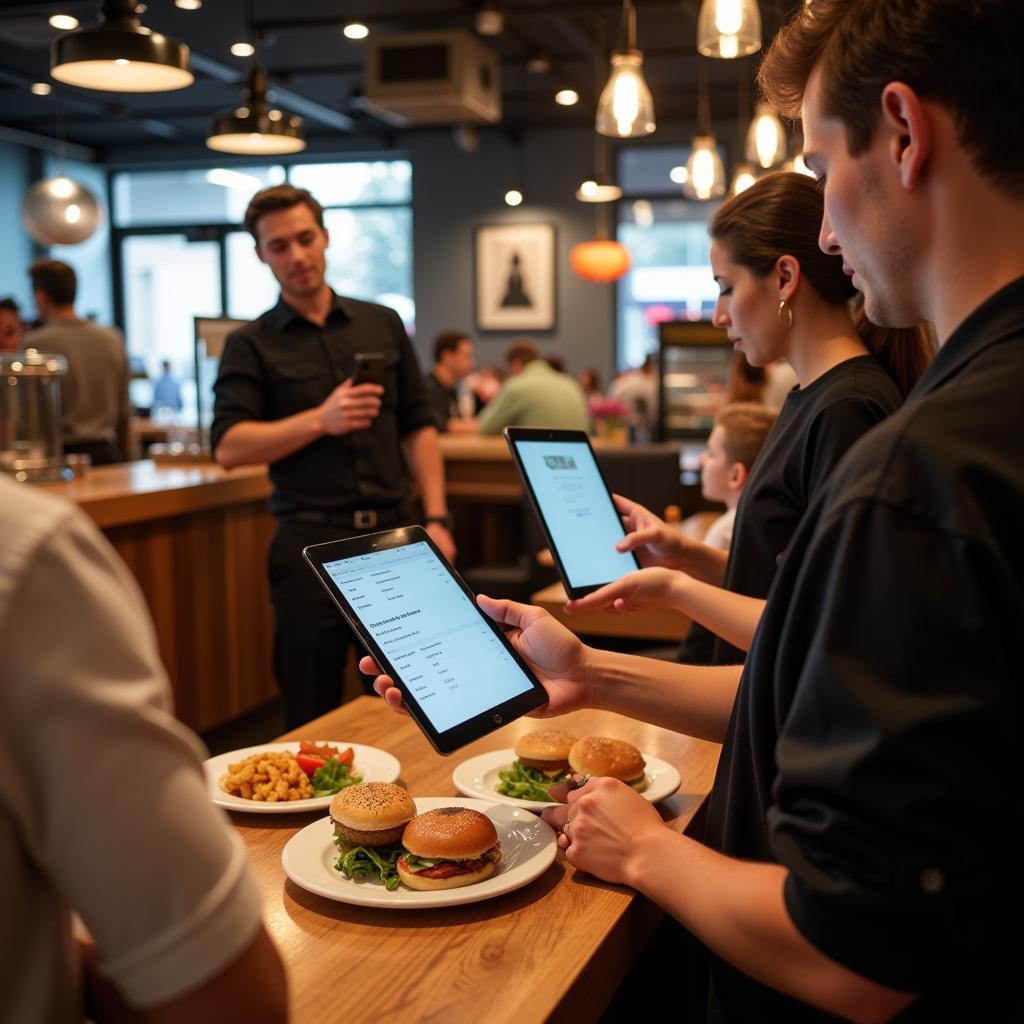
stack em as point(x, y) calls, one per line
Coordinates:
point(766, 139)
point(742, 178)
point(705, 171)
point(626, 109)
point(728, 28)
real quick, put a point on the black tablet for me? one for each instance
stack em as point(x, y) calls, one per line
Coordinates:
point(459, 676)
point(573, 504)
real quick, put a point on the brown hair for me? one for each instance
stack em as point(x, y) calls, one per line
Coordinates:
point(56, 280)
point(965, 56)
point(522, 350)
point(780, 215)
point(746, 383)
point(448, 341)
point(746, 426)
point(279, 197)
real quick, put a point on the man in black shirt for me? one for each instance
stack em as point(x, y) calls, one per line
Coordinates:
point(338, 451)
point(864, 825)
point(453, 361)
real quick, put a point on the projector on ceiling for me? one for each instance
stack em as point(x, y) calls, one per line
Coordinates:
point(432, 78)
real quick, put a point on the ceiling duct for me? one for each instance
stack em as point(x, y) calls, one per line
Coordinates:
point(432, 78)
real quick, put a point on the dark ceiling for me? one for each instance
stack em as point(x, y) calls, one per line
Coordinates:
point(317, 72)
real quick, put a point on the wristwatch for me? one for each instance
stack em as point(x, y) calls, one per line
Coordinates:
point(447, 521)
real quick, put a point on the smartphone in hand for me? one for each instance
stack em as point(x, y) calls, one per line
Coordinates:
point(371, 368)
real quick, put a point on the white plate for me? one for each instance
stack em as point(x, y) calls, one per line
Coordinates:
point(478, 777)
point(528, 847)
point(372, 764)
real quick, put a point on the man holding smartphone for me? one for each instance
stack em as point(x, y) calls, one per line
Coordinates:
point(341, 453)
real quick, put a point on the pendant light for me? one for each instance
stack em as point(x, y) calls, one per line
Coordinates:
point(728, 28)
point(120, 55)
point(744, 174)
point(255, 128)
point(705, 171)
point(626, 109)
point(742, 178)
point(766, 139)
point(602, 259)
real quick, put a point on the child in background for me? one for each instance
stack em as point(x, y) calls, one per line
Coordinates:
point(739, 432)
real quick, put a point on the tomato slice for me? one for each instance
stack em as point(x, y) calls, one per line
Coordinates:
point(309, 763)
point(345, 757)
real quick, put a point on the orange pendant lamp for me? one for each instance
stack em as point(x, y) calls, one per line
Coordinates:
point(600, 260)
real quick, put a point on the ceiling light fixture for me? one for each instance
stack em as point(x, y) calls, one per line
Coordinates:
point(59, 211)
point(63, 22)
point(728, 28)
point(489, 21)
point(255, 128)
point(679, 175)
point(742, 178)
point(594, 191)
point(41, 88)
point(705, 173)
point(626, 109)
point(189, 5)
point(242, 49)
point(355, 30)
point(567, 97)
point(513, 197)
point(766, 139)
point(120, 55)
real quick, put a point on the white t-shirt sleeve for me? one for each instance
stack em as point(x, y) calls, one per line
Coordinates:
point(108, 791)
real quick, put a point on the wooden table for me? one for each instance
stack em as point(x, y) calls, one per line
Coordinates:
point(554, 950)
point(654, 624)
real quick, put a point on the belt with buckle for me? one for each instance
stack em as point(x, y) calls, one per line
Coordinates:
point(360, 519)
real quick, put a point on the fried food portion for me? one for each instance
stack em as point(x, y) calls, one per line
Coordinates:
point(273, 778)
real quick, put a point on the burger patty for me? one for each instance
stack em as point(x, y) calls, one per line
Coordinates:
point(357, 837)
point(448, 868)
point(545, 766)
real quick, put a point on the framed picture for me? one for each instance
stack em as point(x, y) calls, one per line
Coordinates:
point(515, 277)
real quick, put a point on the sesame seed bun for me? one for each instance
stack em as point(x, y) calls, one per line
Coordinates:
point(600, 755)
point(456, 833)
point(545, 745)
point(372, 813)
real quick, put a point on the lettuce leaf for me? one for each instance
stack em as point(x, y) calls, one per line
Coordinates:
point(362, 862)
point(527, 783)
point(332, 778)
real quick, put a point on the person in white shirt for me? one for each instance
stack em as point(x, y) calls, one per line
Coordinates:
point(736, 439)
point(103, 808)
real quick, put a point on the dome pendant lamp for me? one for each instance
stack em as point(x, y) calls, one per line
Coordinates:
point(254, 128)
point(120, 55)
point(728, 28)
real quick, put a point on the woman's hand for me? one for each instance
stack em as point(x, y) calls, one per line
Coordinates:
point(651, 539)
point(643, 588)
point(603, 827)
point(555, 654)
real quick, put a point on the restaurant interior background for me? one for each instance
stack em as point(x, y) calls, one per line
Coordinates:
point(404, 201)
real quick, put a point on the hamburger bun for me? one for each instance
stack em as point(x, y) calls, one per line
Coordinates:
point(450, 834)
point(372, 813)
point(546, 750)
point(617, 759)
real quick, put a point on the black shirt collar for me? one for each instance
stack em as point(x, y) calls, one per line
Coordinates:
point(996, 319)
point(283, 314)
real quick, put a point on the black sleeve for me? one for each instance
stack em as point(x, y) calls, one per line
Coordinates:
point(896, 793)
point(832, 433)
point(240, 391)
point(414, 411)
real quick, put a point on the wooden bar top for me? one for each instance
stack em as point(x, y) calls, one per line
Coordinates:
point(554, 950)
point(134, 492)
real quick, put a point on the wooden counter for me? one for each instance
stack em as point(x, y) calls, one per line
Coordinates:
point(195, 537)
point(554, 950)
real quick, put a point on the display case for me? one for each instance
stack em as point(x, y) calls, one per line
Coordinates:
point(693, 373)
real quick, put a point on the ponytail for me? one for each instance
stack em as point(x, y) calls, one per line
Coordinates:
point(904, 352)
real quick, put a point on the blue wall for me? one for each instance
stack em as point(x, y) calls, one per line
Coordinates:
point(16, 250)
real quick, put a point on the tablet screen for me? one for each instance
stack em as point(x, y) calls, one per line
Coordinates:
point(430, 631)
point(577, 510)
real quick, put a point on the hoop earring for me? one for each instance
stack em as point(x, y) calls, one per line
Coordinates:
point(787, 311)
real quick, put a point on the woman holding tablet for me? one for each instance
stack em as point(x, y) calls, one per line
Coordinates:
point(781, 297)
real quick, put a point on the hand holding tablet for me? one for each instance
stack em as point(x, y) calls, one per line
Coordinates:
point(459, 676)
